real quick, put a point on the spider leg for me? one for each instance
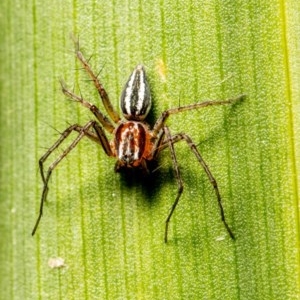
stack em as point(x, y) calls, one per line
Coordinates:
point(178, 177)
point(99, 137)
point(93, 108)
point(103, 139)
point(160, 145)
point(89, 134)
point(83, 131)
point(182, 136)
point(164, 116)
point(103, 94)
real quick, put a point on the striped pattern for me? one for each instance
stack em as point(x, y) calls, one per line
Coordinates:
point(136, 98)
point(130, 141)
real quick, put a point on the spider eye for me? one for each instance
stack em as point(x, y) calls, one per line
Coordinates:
point(136, 98)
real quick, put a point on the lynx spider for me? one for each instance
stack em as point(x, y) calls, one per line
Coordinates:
point(134, 143)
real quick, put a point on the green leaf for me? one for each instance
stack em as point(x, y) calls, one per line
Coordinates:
point(108, 229)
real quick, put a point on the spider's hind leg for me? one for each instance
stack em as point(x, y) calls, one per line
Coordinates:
point(95, 78)
point(105, 122)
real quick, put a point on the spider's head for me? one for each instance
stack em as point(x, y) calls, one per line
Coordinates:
point(136, 99)
point(127, 159)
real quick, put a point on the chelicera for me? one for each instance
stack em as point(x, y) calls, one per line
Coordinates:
point(134, 143)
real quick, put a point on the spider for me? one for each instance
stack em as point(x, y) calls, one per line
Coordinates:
point(134, 143)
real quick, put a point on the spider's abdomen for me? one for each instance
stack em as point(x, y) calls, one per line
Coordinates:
point(136, 99)
point(131, 144)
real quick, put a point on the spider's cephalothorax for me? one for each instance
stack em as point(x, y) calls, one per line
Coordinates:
point(134, 144)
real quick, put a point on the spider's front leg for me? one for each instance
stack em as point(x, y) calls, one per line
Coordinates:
point(178, 178)
point(159, 127)
point(83, 131)
point(169, 143)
